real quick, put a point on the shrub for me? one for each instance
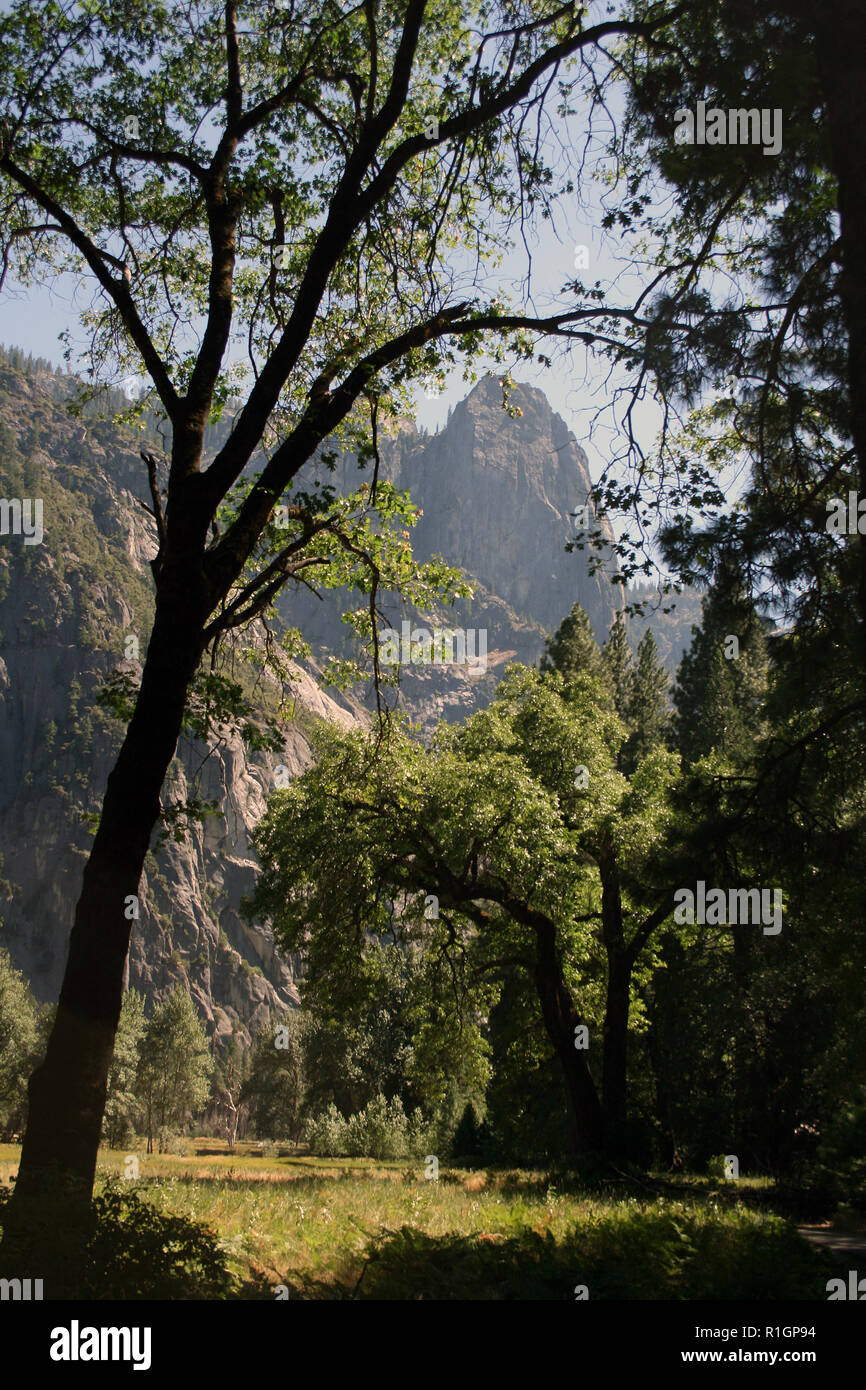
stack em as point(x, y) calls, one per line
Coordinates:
point(326, 1133)
point(381, 1130)
point(175, 1144)
point(124, 1249)
point(384, 1128)
point(716, 1166)
point(136, 1251)
point(637, 1251)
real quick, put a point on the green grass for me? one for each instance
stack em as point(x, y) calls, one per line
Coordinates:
point(350, 1228)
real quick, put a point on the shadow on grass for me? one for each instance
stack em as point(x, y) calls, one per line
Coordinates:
point(694, 1247)
point(118, 1248)
point(602, 1179)
point(630, 1255)
point(240, 1178)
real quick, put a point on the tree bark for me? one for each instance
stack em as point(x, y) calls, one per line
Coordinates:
point(561, 1019)
point(743, 1044)
point(614, 1084)
point(67, 1091)
point(619, 968)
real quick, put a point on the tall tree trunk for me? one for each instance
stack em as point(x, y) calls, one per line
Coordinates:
point(743, 1044)
point(614, 1065)
point(668, 1154)
point(67, 1091)
point(840, 30)
point(561, 1020)
point(619, 968)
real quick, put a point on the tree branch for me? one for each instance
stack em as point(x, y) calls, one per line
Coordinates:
point(350, 207)
point(117, 290)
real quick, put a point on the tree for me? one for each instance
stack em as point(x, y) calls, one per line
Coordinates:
point(756, 1047)
point(721, 685)
point(392, 1026)
point(19, 1039)
point(295, 186)
point(648, 703)
point(638, 744)
point(467, 1141)
point(527, 1099)
point(619, 663)
point(122, 1106)
point(358, 1034)
point(174, 1067)
point(530, 868)
point(572, 649)
point(771, 371)
point(274, 1088)
point(229, 1091)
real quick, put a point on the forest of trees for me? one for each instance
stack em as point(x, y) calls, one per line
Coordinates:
point(551, 832)
point(492, 965)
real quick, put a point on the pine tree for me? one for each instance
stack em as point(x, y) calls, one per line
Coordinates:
point(619, 664)
point(573, 649)
point(649, 716)
point(466, 1144)
point(721, 683)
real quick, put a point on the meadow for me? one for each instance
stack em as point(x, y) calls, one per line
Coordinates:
point(288, 1225)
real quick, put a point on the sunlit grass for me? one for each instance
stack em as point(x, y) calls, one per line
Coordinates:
point(352, 1227)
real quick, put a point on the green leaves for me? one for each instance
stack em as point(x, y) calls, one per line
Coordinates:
point(120, 116)
point(19, 1041)
point(174, 1063)
point(488, 819)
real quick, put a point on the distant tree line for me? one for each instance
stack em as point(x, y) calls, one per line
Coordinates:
point(167, 1081)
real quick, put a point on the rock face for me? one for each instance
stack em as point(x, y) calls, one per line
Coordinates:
point(496, 493)
point(499, 494)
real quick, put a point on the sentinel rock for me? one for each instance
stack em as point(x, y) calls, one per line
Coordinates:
point(498, 495)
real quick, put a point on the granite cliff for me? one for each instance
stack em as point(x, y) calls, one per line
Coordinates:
point(497, 493)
